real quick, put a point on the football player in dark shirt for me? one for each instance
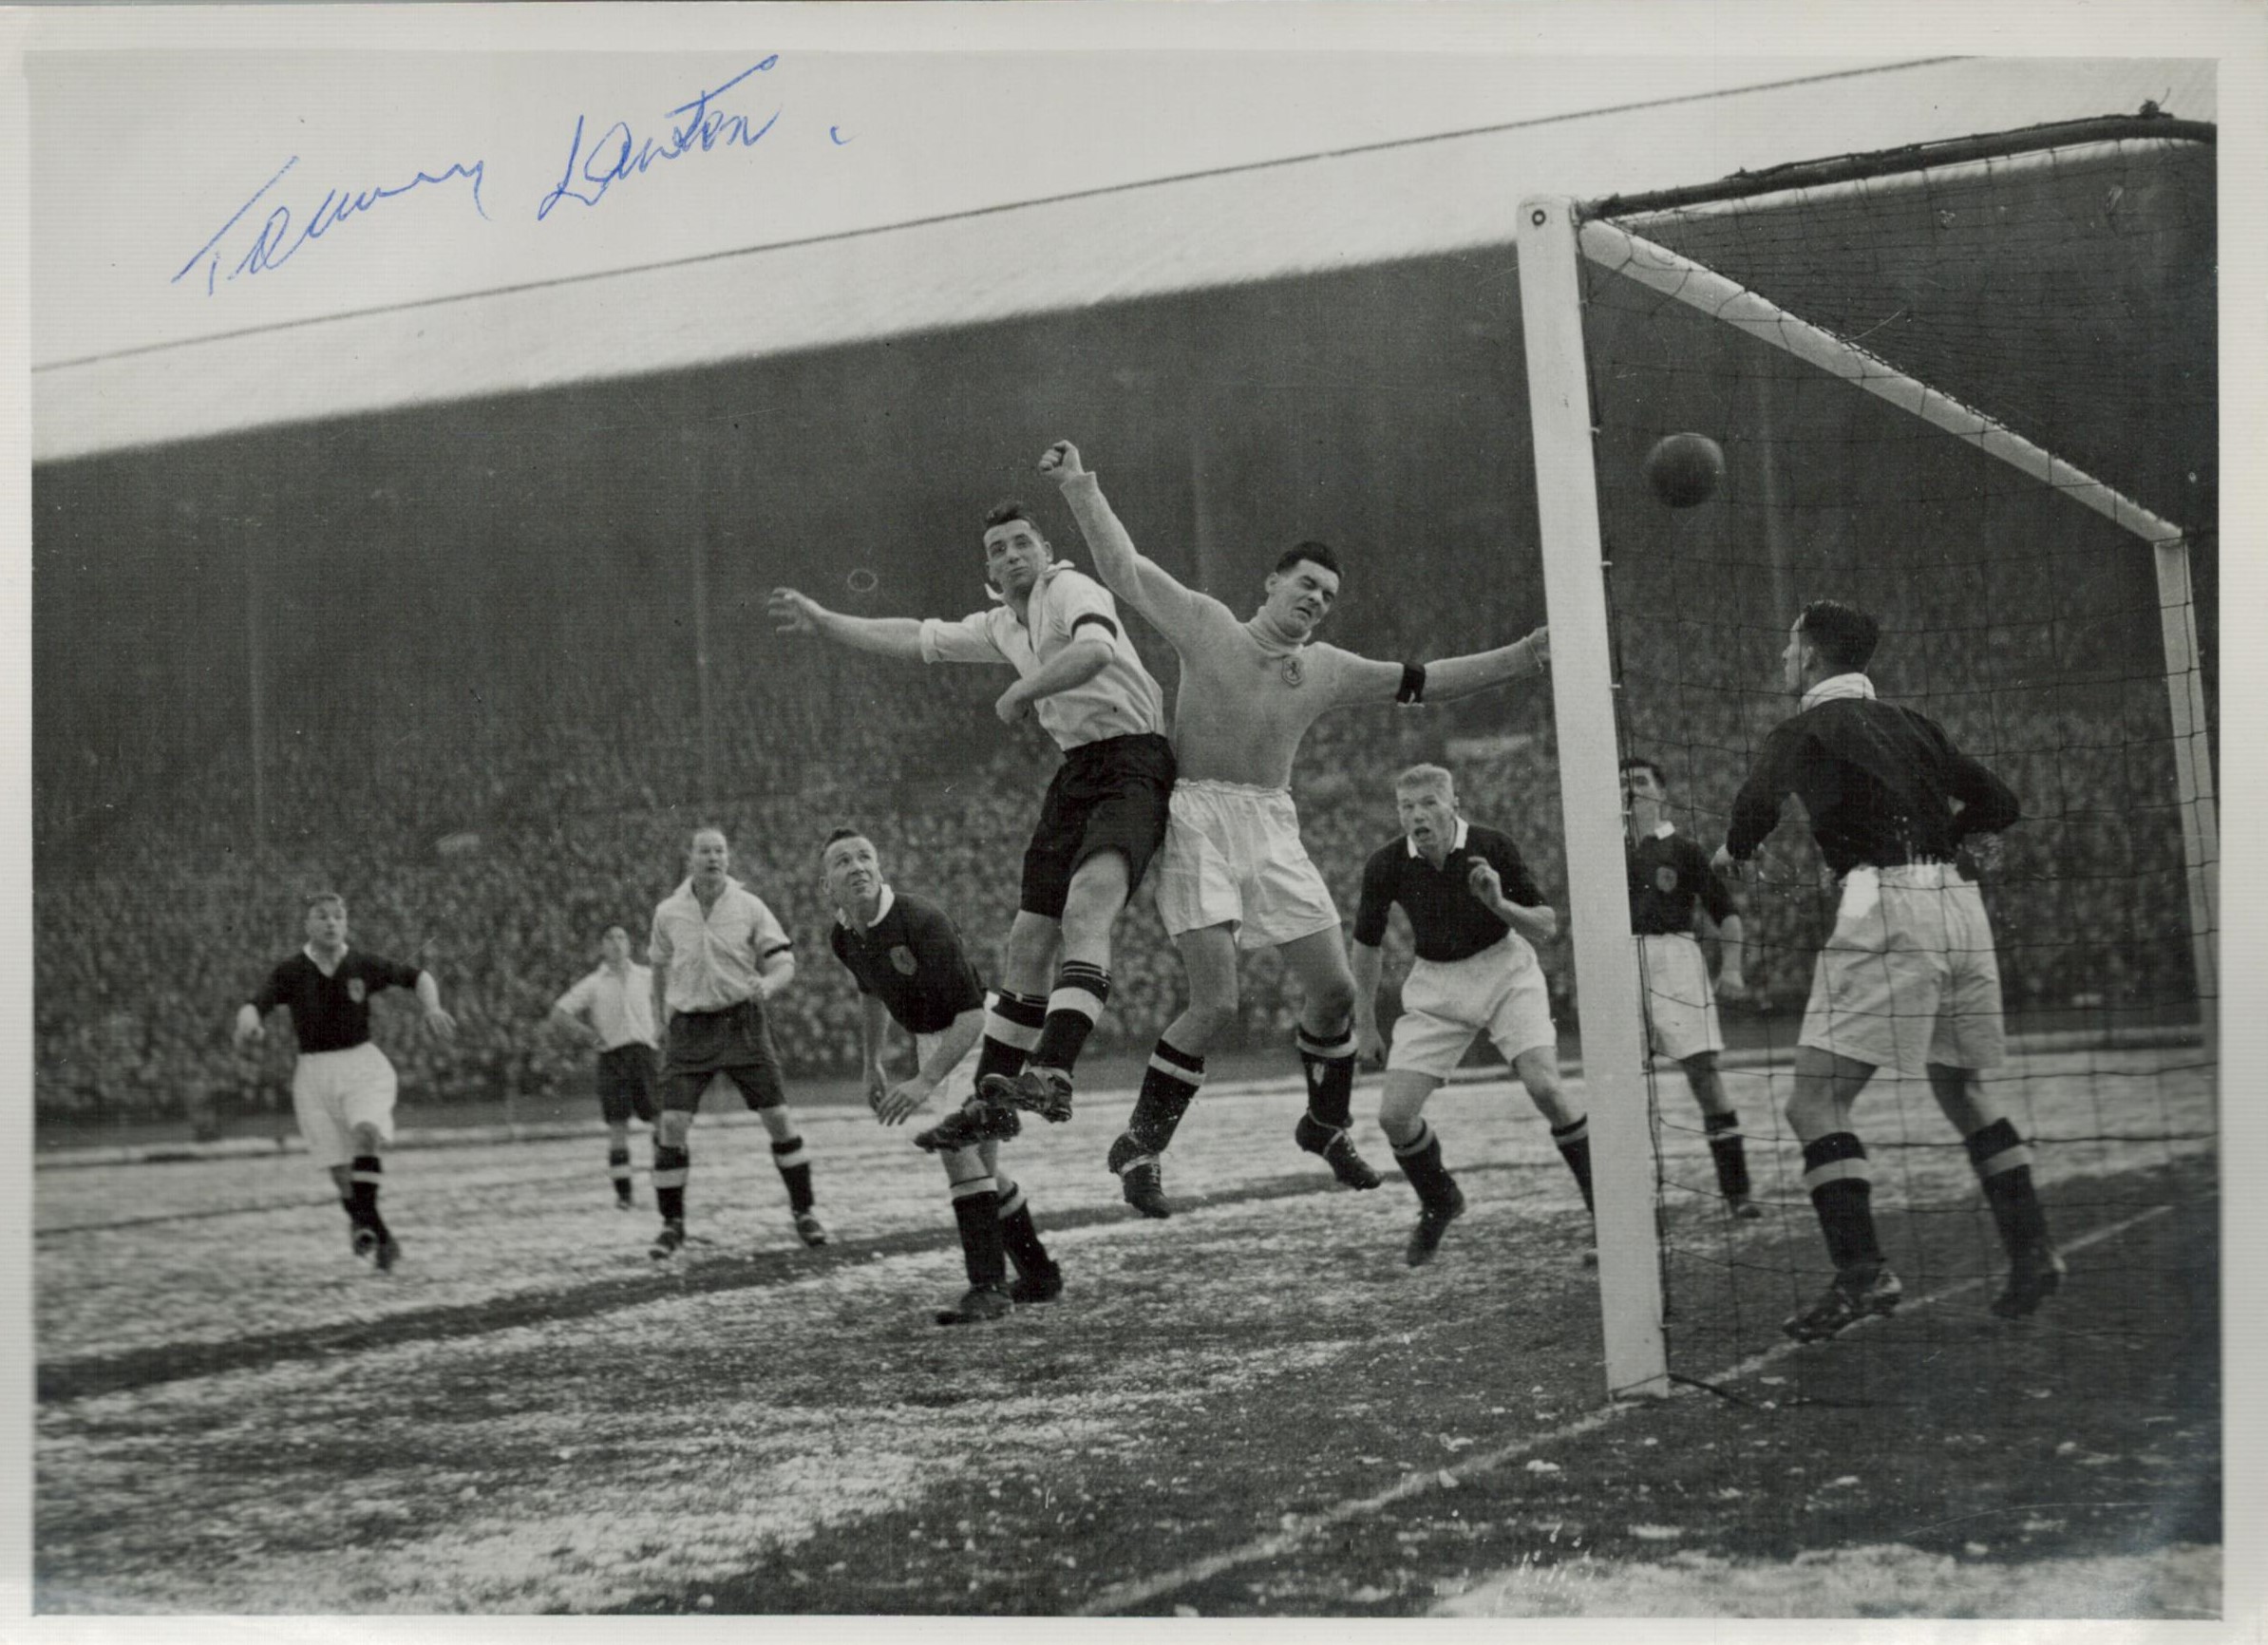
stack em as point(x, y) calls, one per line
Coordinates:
point(910, 968)
point(342, 1086)
point(1670, 885)
point(1474, 911)
point(1908, 974)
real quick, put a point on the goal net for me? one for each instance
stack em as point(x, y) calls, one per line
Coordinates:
point(1970, 389)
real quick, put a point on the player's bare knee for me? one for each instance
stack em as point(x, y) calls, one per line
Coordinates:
point(670, 1130)
point(367, 1138)
point(1329, 1007)
point(1029, 953)
point(1206, 1018)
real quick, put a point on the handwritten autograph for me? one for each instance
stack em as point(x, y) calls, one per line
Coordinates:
point(617, 153)
point(275, 244)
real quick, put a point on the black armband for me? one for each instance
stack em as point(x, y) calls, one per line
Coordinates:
point(1413, 684)
point(1100, 621)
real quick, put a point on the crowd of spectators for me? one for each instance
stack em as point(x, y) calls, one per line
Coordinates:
point(495, 855)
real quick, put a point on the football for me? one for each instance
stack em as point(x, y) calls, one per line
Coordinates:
point(1683, 468)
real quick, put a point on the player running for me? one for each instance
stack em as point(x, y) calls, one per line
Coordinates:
point(910, 968)
point(613, 1007)
point(1078, 673)
point(1672, 885)
point(343, 1087)
point(1233, 871)
point(1475, 911)
point(1908, 975)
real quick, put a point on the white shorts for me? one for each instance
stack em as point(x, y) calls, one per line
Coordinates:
point(1232, 857)
point(334, 1091)
point(1908, 976)
point(1499, 990)
point(1681, 1007)
point(961, 1083)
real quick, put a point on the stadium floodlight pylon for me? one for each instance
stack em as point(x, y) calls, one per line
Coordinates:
point(1569, 251)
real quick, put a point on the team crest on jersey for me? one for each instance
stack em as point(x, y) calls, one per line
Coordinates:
point(1295, 672)
point(901, 960)
point(1664, 880)
point(354, 990)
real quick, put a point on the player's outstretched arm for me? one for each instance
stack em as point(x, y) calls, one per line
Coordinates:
point(1528, 658)
point(793, 613)
point(1370, 680)
point(1139, 580)
point(876, 1080)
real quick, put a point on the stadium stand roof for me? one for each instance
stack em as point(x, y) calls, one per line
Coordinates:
point(1274, 221)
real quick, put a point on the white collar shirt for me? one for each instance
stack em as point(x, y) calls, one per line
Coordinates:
point(619, 1007)
point(1121, 701)
point(1835, 685)
point(711, 960)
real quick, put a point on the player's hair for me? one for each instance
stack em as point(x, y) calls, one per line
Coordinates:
point(708, 828)
point(845, 832)
point(1320, 554)
point(1427, 777)
point(612, 929)
point(315, 899)
point(1006, 510)
point(1844, 636)
point(1639, 763)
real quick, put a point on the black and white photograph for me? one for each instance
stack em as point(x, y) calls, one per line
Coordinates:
point(1212, 813)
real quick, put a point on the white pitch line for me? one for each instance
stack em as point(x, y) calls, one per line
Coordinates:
point(1114, 1600)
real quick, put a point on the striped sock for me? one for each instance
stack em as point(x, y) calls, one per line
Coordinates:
point(618, 1166)
point(672, 1166)
point(2004, 1166)
point(1729, 1156)
point(794, 1170)
point(1169, 1086)
point(1574, 1139)
point(1080, 993)
point(1420, 1160)
point(1841, 1187)
point(1329, 1061)
point(1012, 1028)
point(976, 1210)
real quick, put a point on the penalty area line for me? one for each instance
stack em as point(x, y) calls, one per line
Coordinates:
point(1117, 1598)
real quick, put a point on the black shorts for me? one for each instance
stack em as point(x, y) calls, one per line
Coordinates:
point(735, 1041)
point(1107, 796)
point(626, 1084)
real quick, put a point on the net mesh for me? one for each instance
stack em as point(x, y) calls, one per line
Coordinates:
point(2065, 297)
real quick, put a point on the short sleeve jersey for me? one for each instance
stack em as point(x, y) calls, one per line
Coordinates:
point(912, 961)
point(619, 1007)
point(1669, 875)
point(332, 1013)
point(1447, 920)
point(1067, 604)
point(713, 958)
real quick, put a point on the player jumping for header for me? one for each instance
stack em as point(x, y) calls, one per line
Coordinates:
point(1103, 816)
point(1908, 975)
point(1233, 871)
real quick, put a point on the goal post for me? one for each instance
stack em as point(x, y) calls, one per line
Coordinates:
point(1606, 963)
point(1971, 388)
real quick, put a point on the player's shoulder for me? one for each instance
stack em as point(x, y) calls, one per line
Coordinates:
point(1388, 858)
point(1479, 835)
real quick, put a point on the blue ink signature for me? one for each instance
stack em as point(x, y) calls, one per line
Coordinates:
point(617, 153)
point(275, 244)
